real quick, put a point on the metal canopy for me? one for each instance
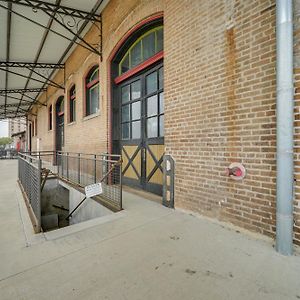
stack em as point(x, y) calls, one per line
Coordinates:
point(36, 39)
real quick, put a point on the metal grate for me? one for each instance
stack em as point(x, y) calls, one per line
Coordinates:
point(30, 179)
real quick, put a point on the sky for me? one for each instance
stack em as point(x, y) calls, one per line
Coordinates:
point(3, 128)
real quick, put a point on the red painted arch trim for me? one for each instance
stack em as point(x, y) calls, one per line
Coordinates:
point(92, 83)
point(132, 30)
point(158, 56)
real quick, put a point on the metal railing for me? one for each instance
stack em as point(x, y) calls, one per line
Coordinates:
point(29, 175)
point(85, 169)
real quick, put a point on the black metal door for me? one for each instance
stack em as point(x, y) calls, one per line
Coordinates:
point(142, 129)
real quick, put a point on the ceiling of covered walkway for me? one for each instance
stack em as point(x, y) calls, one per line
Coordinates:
point(36, 39)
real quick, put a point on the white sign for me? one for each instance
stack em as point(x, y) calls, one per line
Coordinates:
point(93, 190)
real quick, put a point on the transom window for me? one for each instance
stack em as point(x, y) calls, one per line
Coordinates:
point(143, 48)
point(72, 104)
point(92, 91)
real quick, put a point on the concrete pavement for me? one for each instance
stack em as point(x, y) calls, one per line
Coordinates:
point(144, 252)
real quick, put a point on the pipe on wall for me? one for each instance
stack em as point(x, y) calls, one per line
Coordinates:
point(285, 126)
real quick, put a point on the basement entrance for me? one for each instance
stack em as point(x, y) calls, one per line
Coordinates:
point(59, 199)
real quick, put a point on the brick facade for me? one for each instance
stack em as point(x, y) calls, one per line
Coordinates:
point(220, 89)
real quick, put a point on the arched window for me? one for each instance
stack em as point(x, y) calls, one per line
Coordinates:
point(72, 104)
point(145, 47)
point(92, 91)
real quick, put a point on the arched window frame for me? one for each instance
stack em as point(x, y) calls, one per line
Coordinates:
point(62, 105)
point(72, 104)
point(91, 85)
point(145, 62)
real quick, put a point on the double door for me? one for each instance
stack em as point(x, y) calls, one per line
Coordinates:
point(142, 130)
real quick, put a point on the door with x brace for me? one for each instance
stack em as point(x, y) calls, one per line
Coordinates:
point(142, 130)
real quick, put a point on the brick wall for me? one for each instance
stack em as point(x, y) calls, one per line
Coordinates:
point(220, 107)
point(219, 102)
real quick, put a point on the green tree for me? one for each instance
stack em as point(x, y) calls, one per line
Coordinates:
point(5, 140)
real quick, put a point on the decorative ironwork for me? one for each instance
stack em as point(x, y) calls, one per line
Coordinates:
point(73, 25)
point(28, 90)
point(54, 8)
point(90, 48)
point(19, 64)
point(13, 105)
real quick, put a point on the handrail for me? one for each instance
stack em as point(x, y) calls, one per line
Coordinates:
point(101, 180)
point(50, 152)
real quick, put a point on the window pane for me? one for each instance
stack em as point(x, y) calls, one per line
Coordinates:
point(152, 106)
point(161, 125)
point(73, 92)
point(160, 38)
point(125, 64)
point(149, 45)
point(151, 83)
point(152, 127)
point(126, 113)
point(125, 93)
point(72, 110)
point(136, 110)
point(136, 90)
point(88, 104)
point(161, 78)
point(136, 55)
point(125, 131)
point(94, 99)
point(94, 75)
point(161, 102)
point(136, 129)
point(60, 105)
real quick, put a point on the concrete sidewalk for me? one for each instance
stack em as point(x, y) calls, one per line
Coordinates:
point(145, 252)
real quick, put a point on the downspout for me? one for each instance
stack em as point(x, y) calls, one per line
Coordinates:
point(285, 126)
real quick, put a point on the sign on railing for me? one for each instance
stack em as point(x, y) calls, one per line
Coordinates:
point(93, 190)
